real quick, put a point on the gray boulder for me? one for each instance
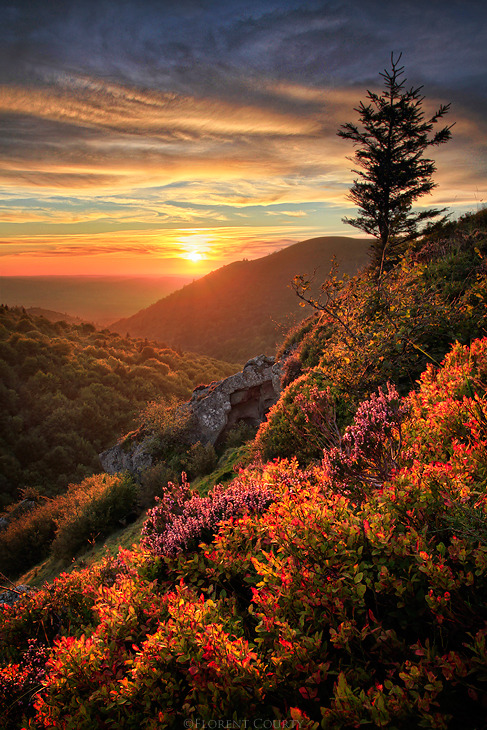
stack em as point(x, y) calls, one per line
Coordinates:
point(216, 409)
point(245, 396)
point(127, 456)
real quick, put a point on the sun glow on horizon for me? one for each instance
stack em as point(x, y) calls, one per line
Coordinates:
point(195, 246)
point(194, 256)
point(134, 252)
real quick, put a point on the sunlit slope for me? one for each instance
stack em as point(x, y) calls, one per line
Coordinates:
point(243, 309)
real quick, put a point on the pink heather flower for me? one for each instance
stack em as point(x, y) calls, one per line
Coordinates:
point(180, 522)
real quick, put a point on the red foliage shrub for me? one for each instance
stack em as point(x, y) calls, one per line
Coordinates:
point(322, 609)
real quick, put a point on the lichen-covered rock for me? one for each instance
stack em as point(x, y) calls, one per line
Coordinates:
point(8, 598)
point(216, 408)
point(245, 396)
point(132, 457)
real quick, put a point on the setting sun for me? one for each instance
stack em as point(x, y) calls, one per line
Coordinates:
point(194, 256)
point(194, 245)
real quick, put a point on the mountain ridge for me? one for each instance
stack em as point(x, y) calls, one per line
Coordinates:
point(235, 311)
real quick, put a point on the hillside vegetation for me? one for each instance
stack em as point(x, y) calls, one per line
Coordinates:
point(243, 309)
point(67, 392)
point(338, 580)
point(361, 337)
point(52, 316)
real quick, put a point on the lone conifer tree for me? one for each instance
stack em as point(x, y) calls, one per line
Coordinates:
point(393, 172)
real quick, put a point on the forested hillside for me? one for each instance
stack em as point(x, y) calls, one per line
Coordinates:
point(52, 315)
point(69, 391)
point(245, 308)
point(344, 585)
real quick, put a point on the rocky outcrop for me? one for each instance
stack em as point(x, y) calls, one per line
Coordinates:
point(127, 456)
point(245, 396)
point(216, 408)
point(10, 597)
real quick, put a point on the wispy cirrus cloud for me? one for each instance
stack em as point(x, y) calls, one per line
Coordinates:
point(165, 116)
point(122, 121)
point(290, 213)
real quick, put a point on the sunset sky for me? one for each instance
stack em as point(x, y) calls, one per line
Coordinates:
point(171, 137)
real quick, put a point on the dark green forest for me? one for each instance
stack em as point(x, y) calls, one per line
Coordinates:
point(67, 392)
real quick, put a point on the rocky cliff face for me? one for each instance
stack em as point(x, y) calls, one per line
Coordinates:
point(245, 396)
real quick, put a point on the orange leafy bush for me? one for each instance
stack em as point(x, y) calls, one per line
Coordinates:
point(330, 608)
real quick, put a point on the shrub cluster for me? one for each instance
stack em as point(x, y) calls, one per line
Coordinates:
point(371, 445)
point(68, 523)
point(94, 509)
point(313, 604)
point(19, 683)
point(172, 427)
point(180, 519)
point(302, 423)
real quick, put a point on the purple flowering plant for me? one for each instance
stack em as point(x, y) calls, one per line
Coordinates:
point(182, 519)
point(370, 447)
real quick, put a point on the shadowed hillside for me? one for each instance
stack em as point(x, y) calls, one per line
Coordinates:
point(243, 309)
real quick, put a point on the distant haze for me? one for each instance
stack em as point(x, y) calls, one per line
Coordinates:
point(100, 299)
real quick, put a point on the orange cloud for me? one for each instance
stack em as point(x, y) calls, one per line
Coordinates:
point(154, 163)
point(142, 139)
point(82, 100)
